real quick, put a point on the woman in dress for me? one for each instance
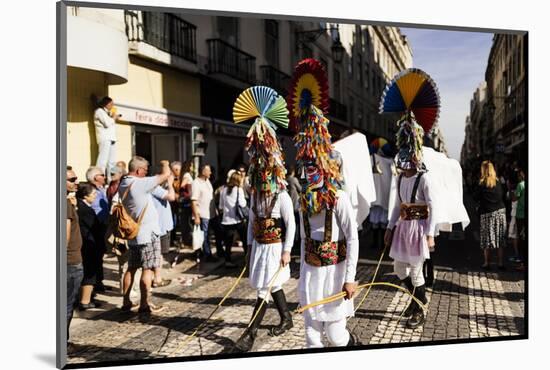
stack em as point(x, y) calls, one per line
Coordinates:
point(492, 215)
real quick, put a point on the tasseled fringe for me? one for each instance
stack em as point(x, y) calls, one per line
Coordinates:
point(267, 167)
point(314, 146)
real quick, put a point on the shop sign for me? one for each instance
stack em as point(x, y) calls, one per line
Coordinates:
point(232, 130)
point(156, 118)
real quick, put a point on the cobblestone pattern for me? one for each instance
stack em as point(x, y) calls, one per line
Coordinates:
point(461, 305)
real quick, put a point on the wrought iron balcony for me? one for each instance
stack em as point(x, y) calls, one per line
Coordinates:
point(165, 31)
point(227, 59)
point(275, 79)
point(338, 110)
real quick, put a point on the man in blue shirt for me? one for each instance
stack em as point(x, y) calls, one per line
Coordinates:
point(144, 249)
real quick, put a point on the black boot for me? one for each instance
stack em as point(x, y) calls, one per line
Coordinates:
point(429, 271)
point(246, 341)
point(286, 318)
point(410, 308)
point(418, 318)
point(353, 341)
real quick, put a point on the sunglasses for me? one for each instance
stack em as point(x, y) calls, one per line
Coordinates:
point(72, 179)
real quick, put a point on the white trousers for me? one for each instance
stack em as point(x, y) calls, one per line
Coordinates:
point(404, 269)
point(262, 292)
point(336, 332)
point(106, 156)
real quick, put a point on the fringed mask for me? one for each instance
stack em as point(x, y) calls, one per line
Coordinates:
point(267, 167)
point(410, 138)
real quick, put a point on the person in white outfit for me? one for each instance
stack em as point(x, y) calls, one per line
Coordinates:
point(271, 223)
point(105, 132)
point(330, 243)
point(411, 228)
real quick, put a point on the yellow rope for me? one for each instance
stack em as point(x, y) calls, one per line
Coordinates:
point(341, 295)
point(186, 340)
point(267, 295)
point(373, 278)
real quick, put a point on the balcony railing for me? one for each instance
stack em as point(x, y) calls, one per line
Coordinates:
point(276, 79)
point(338, 110)
point(164, 31)
point(227, 59)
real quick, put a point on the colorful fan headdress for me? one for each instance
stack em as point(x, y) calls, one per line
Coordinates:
point(380, 146)
point(267, 167)
point(414, 94)
point(317, 162)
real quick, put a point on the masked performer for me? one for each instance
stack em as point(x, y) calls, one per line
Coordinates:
point(271, 223)
point(411, 227)
point(329, 247)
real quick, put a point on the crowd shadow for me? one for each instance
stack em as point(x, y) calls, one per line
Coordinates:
point(491, 321)
point(91, 353)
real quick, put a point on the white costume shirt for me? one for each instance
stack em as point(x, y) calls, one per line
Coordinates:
point(265, 259)
point(317, 283)
point(105, 127)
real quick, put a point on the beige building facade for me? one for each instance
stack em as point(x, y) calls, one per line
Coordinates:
point(174, 71)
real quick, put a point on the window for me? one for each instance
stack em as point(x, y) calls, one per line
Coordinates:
point(359, 68)
point(272, 42)
point(351, 110)
point(228, 30)
point(336, 83)
point(307, 52)
point(368, 122)
point(366, 80)
point(324, 63)
point(350, 66)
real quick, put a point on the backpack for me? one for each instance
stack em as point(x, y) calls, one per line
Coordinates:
point(122, 225)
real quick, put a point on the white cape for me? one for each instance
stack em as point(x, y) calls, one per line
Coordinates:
point(383, 181)
point(357, 173)
point(446, 175)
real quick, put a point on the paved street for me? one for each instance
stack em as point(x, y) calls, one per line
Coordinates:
point(464, 302)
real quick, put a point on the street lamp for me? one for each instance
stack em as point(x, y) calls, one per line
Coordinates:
point(311, 35)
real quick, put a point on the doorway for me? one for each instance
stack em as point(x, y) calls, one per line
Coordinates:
point(156, 144)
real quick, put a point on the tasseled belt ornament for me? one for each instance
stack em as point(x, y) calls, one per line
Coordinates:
point(268, 230)
point(320, 253)
point(412, 211)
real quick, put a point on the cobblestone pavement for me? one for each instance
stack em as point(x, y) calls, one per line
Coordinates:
point(462, 304)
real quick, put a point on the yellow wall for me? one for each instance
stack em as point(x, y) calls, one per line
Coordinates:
point(152, 85)
point(81, 141)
